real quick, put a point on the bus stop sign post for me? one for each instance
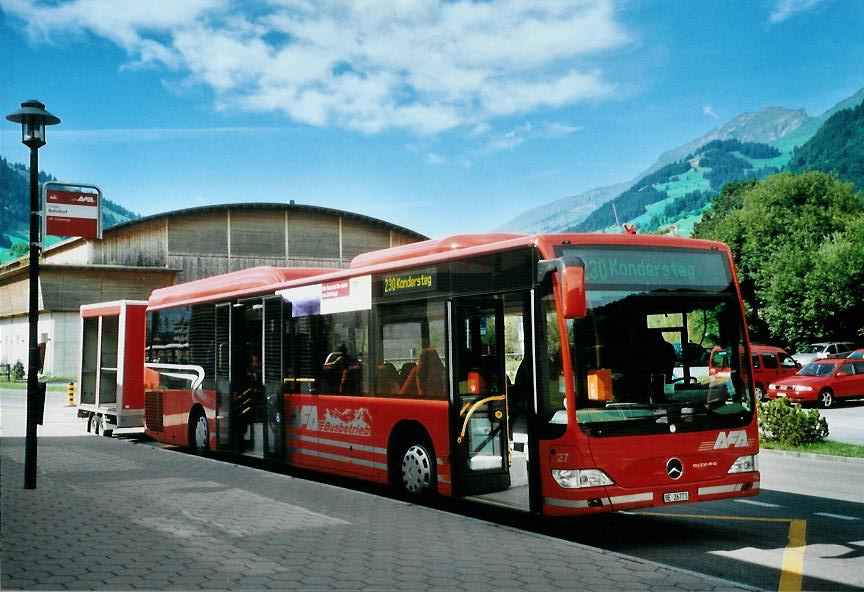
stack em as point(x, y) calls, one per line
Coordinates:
point(33, 119)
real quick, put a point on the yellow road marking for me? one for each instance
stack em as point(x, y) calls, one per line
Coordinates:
point(792, 566)
point(793, 558)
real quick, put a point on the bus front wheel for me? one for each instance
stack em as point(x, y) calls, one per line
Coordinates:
point(416, 476)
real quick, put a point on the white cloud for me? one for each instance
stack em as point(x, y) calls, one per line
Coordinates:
point(784, 9)
point(709, 111)
point(421, 65)
point(159, 134)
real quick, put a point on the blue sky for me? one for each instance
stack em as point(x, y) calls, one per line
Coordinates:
point(444, 117)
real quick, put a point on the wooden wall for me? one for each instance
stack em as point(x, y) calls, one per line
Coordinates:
point(207, 243)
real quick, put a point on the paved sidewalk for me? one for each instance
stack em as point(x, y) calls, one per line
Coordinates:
point(113, 515)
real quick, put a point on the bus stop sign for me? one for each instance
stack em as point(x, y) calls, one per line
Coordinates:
point(72, 210)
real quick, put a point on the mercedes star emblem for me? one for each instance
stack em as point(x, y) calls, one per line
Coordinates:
point(674, 468)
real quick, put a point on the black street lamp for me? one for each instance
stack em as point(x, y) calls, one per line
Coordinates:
point(33, 118)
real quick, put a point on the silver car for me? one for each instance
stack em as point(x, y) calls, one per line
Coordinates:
point(825, 349)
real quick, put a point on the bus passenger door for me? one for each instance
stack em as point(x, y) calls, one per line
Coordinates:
point(223, 376)
point(479, 441)
point(274, 411)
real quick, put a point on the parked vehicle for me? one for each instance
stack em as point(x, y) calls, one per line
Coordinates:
point(691, 354)
point(821, 350)
point(769, 364)
point(823, 382)
point(110, 384)
point(858, 354)
point(593, 420)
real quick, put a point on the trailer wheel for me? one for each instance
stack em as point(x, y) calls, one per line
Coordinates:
point(199, 432)
point(107, 432)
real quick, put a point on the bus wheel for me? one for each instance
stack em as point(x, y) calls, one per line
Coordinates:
point(95, 424)
point(417, 469)
point(826, 399)
point(200, 434)
point(91, 426)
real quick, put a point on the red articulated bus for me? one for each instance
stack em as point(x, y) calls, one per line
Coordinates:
point(534, 372)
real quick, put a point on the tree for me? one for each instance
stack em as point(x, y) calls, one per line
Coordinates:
point(799, 248)
point(19, 249)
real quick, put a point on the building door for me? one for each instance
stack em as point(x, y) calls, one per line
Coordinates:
point(479, 431)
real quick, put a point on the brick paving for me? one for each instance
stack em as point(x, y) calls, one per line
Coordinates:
point(112, 515)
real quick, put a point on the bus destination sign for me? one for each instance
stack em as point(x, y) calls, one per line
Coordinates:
point(621, 267)
point(409, 283)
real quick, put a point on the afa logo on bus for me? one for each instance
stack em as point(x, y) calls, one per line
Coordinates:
point(732, 439)
point(352, 422)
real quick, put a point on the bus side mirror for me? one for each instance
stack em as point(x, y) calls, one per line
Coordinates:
point(572, 285)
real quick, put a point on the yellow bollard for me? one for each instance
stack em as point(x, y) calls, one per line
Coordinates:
point(71, 393)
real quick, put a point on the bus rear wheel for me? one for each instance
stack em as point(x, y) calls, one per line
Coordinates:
point(416, 472)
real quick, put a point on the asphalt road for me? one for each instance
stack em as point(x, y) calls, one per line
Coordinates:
point(804, 531)
point(755, 540)
point(846, 422)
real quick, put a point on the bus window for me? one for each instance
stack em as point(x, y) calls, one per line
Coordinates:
point(412, 350)
point(330, 354)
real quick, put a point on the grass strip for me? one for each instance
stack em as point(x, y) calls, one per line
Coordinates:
point(828, 447)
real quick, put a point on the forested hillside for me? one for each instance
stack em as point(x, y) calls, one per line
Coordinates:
point(658, 200)
point(681, 190)
point(838, 147)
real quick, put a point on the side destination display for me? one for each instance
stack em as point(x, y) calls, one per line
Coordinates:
point(423, 280)
point(330, 297)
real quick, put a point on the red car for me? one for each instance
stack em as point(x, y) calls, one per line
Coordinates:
point(769, 364)
point(823, 382)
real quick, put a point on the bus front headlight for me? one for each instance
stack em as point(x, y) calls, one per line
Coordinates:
point(745, 464)
point(579, 478)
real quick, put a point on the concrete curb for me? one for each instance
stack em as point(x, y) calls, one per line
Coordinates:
point(826, 457)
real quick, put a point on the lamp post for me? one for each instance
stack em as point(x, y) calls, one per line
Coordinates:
point(33, 118)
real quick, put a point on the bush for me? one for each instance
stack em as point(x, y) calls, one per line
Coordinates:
point(18, 371)
point(789, 424)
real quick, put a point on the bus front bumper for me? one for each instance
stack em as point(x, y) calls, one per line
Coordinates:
point(612, 498)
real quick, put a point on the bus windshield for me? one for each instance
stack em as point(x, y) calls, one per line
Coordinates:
point(640, 356)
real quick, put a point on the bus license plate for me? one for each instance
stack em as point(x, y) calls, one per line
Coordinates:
point(678, 496)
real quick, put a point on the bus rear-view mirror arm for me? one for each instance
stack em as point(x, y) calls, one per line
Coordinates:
point(571, 284)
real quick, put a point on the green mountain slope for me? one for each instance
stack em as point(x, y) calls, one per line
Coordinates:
point(15, 210)
point(658, 201)
point(838, 147)
point(681, 190)
point(765, 126)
